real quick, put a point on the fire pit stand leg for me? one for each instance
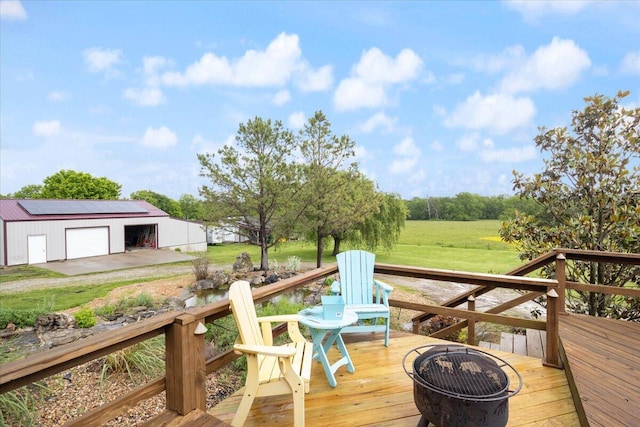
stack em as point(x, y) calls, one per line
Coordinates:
point(423, 422)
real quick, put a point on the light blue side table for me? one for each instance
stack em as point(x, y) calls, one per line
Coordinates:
point(320, 329)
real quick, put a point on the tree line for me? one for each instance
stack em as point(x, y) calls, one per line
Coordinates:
point(470, 207)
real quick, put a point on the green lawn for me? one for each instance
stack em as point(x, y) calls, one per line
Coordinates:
point(470, 246)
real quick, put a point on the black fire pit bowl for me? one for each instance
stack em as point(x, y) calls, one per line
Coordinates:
point(456, 386)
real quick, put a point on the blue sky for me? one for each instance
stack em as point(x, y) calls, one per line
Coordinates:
point(440, 97)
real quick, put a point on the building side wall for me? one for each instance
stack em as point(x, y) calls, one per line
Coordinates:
point(172, 233)
point(2, 244)
point(183, 235)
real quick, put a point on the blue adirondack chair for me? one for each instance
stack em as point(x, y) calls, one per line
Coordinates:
point(368, 297)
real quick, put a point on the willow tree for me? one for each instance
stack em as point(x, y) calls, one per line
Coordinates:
point(380, 228)
point(255, 181)
point(589, 195)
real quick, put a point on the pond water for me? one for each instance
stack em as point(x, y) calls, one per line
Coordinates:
point(200, 298)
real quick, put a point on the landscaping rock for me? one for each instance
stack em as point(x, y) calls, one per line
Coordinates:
point(53, 321)
point(257, 280)
point(243, 263)
point(58, 337)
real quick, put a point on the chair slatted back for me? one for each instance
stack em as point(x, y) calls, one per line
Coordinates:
point(356, 276)
point(244, 312)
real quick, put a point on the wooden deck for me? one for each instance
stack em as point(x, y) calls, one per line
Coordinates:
point(380, 393)
point(602, 358)
point(532, 344)
point(197, 418)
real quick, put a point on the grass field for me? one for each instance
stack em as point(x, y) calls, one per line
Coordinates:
point(470, 246)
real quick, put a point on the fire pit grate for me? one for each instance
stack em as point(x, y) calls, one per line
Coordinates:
point(463, 374)
point(459, 386)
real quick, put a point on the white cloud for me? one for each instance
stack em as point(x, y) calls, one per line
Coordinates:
point(554, 66)
point(372, 76)
point(511, 155)
point(408, 156)
point(468, 142)
point(379, 120)
point(281, 98)
point(496, 63)
point(354, 93)
point(273, 66)
point(361, 153)
point(376, 67)
point(631, 63)
point(12, 10)
point(407, 148)
point(147, 97)
point(59, 95)
point(297, 120)
point(200, 144)
point(533, 10)
point(50, 128)
point(403, 165)
point(103, 60)
point(498, 113)
point(159, 138)
point(316, 80)
point(151, 65)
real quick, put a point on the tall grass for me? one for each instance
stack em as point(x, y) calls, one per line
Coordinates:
point(17, 406)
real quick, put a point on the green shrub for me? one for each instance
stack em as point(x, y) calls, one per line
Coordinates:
point(85, 318)
point(20, 318)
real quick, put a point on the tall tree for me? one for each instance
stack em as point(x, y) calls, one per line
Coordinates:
point(69, 184)
point(355, 199)
point(160, 201)
point(255, 180)
point(589, 194)
point(191, 207)
point(32, 191)
point(326, 202)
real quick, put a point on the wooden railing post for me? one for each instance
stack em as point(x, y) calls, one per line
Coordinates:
point(471, 325)
point(185, 365)
point(561, 277)
point(552, 357)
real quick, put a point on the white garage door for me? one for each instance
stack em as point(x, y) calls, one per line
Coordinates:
point(86, 242)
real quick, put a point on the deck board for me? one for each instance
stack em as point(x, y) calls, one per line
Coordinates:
point(380, 393)
point(603, 359)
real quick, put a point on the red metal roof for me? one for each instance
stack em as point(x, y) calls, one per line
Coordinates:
point(10, 210)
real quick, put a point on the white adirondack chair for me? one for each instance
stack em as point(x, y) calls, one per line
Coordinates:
point(271, 370)
point(368, 297)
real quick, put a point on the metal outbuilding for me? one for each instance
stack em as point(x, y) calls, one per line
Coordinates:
point(34, 231)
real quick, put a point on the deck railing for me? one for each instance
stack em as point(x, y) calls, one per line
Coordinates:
point(186, 367)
